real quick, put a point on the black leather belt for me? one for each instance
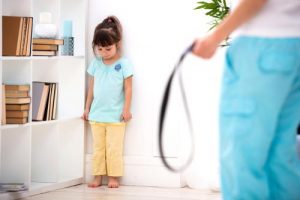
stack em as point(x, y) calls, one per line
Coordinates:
point(163, 110)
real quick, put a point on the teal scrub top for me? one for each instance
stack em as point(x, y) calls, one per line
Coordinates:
point(108, 102)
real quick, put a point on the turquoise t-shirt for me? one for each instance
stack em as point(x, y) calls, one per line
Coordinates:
point(108, 102)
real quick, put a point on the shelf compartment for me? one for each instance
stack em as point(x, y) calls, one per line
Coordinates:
point(44, 154)
point(16, 8)
point(16, 72)
point(45, 71)
point(70, 87)
point(46, 6)
point(15, 155)
point(72, 10)
point(71, 151)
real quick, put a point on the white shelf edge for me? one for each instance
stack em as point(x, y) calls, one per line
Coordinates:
point(12, 126)
point(4, 58)
point(38, 188)
point(38, 123)
point(53, 121)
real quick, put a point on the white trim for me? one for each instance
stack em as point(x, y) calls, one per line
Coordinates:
point(142, 171)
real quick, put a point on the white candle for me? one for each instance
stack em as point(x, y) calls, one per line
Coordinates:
point(45, 18)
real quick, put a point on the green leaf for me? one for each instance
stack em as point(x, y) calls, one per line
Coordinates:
point(210, 13)
point(211, 6)
point(216, 9)
point(202, 5)
point(199, 7)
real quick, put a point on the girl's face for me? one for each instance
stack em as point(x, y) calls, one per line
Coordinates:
point(108, 52)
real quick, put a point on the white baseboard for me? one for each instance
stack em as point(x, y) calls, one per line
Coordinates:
point(141, 171)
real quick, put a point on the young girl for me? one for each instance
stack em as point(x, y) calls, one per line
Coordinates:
point(108, 101)
point(260, 105)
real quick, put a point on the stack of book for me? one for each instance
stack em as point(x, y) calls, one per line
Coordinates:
point(44, 101)
point(46, 47)
point(17, 102)
point(16, 35)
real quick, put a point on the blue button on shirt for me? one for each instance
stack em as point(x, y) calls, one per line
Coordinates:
point(108, 99)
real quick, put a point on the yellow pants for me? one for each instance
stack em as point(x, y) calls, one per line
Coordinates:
point(108, 141)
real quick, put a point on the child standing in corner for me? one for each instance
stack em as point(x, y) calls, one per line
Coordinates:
point(108, 101)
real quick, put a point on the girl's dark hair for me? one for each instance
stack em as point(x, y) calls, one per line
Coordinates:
point(108, 32)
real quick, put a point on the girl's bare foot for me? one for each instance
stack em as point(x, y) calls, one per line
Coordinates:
point(113, 182)
point(96, 182)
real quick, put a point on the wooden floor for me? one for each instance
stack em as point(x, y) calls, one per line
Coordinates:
point(82, 192)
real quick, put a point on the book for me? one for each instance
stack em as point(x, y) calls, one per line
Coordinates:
point(16, 93)
point(17, 87)
point(17, 114)
point(43, 53)
point(16, 35)
point(11, 35)
point(17, 107)
point(40, 92)
point(50, 113)
point(51, 101)
point(55, 101)
point(21, 100)
point(45, 47)
point(27, 51)
point(16, 120)
point(3, 108)
point(47, 41)
point(24, 36)
point(47, 113)
point(12, 187)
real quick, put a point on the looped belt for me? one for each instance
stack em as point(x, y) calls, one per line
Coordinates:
point(163, 109)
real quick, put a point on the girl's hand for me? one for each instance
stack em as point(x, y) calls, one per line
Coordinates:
point(206, 47)
point(85, 115)
point(126, 116)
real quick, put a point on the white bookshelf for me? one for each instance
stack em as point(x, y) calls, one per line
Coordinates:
point(46, 155)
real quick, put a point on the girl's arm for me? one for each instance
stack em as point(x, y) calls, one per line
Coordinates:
point(89, 98)
point(126, 115)
point(206, 47)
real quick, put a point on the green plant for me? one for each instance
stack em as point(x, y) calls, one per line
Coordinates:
point(217, 9)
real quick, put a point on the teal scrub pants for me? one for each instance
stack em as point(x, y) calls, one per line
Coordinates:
point(259, 115)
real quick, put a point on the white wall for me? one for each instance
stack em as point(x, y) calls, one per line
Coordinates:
point(155, 33)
